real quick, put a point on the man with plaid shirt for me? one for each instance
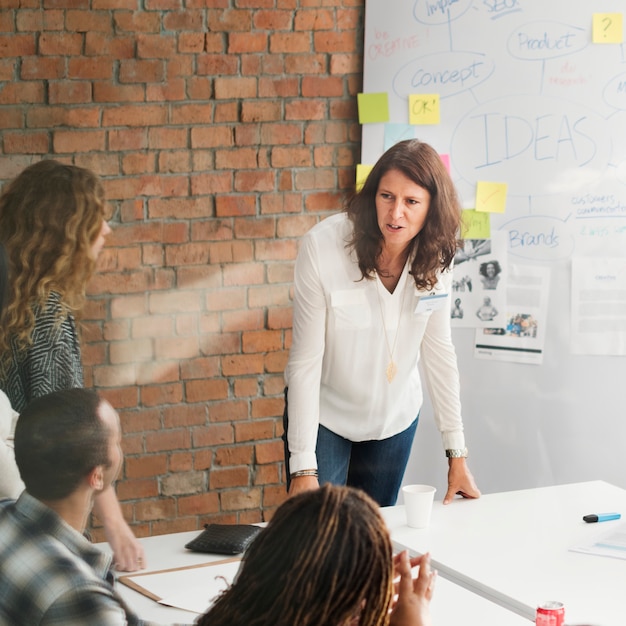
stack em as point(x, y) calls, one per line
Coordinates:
point(67, 448)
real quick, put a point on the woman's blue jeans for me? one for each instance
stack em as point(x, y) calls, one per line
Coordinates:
point(377, 467)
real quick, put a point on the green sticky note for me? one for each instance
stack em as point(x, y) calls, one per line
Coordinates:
point(424, 108)
point(607, 28)
point(362, 172)
point(475, 225)
point(491, 197)
point(373, 107)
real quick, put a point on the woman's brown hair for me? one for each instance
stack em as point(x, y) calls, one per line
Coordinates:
point(433, 249)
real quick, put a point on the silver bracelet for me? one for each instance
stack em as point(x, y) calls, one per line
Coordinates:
point(307, 472)
point(456, 453)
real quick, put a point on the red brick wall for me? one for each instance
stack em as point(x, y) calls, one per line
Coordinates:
point(223, 131)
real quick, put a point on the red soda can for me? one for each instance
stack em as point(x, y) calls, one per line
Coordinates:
point(550, 614)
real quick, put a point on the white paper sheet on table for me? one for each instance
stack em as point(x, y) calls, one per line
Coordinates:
point(191, 589)
point(611, 543)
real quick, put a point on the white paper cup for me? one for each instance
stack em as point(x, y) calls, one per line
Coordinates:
point(418, 503)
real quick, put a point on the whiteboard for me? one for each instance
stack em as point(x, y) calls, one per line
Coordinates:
point(526, 99)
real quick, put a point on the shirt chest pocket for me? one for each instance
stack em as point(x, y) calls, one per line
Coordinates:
point(350, 309)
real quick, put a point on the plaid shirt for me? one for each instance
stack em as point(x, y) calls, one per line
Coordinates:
point(50, 574)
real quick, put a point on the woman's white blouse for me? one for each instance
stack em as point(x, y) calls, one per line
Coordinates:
point(336, 371)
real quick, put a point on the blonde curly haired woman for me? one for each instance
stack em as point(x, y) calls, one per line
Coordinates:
point(53, 227)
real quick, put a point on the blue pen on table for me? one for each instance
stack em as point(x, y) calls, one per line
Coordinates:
point(601, 517)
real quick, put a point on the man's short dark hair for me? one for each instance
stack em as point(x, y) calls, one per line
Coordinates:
point(59, 439)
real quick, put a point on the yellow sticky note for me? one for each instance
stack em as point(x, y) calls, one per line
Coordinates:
point(362, 172)
point(491, 197)
point(424, 108)
point(475, 225)
point(607, 28)
point(373, 107)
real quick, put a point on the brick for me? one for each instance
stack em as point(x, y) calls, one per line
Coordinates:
point(138, 421)
point(261, 341)
point(277, 361)
point(145, 466)
point(78, 141)
point(292, 156)
point(280, 317)
point(229, 478)
point(60, 44)
point(108, 92)
point(171, 393)
point(183, 20)
point(185, 415)
point(191, 43)
point(74, 92)
point(246, 387)
point(157, 509)
point(87, 21)
point(29, 143)
point(271, 452)
point(155, 46)
point(261, 111)
point(274, 496)
point(134, 115)
point(115, 47)
point(141, 71)
point(213, 435)
point(235, 455)
point(314, 19)
point(17, 45)
point(290, 43)
point(192, 114)
point(34, 68)
point(327, 86)
point(254, 431)
point(239, 43)
point(206, 390)
point(230, 20)
point(300, 64)
point(22, 93)
point(228, 88)
point(236, 500)
point(137, 21)
point(273, 20)
point(202, 504)
point(137, 489)
point(267, 475)
point(176, 484)
point(167, 440)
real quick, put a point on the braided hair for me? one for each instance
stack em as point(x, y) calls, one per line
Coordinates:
point(325, 558)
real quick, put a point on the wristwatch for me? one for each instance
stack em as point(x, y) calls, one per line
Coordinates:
point(456, 453)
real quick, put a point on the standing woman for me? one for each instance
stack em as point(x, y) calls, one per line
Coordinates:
point(53, 227)
point(371, 300)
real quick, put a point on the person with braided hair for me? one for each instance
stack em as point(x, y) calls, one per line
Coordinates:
point(325, 558)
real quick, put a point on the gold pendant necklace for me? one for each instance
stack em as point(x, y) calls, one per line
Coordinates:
point(391, 370)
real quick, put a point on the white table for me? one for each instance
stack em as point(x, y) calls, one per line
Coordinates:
point(513, 548)
point(451, 604)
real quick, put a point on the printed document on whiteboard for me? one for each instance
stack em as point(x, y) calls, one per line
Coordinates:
point(598, 306)
point(522, 338)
